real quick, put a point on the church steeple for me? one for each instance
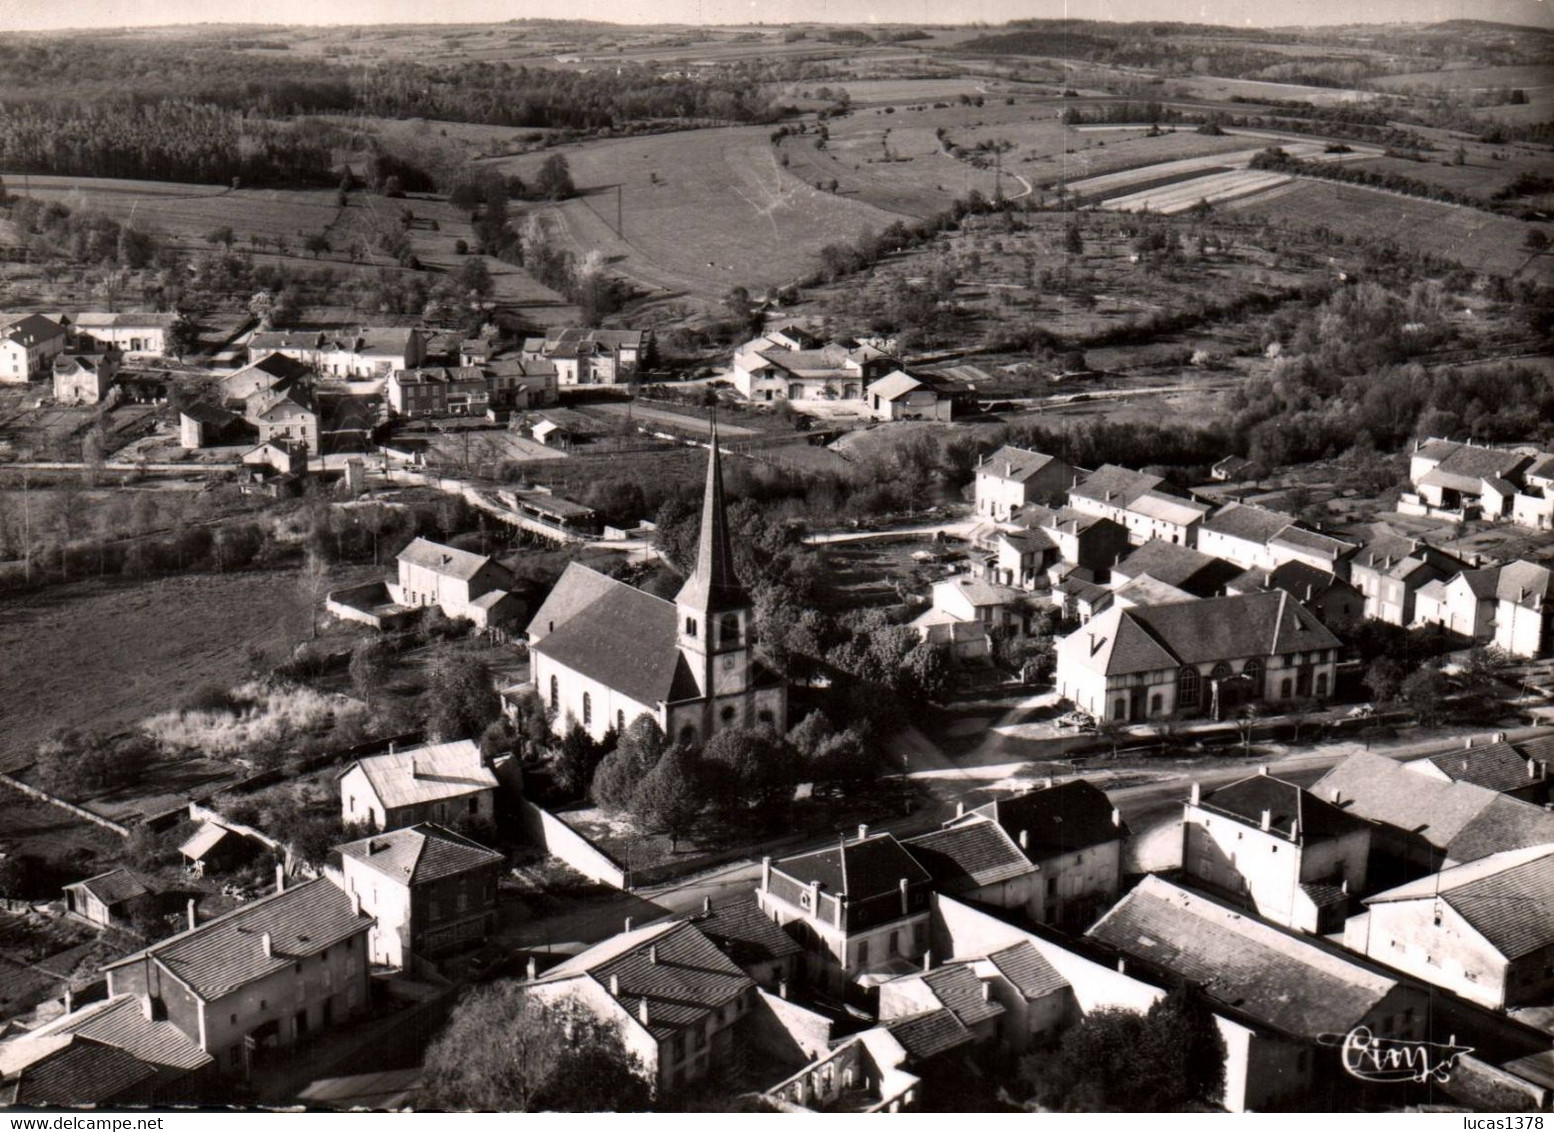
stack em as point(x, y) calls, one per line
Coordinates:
point(713, 586)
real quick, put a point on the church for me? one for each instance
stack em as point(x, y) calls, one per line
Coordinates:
point(603, 652)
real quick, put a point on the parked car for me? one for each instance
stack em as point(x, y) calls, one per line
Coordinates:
point(1362, 711)
point(1075, 721)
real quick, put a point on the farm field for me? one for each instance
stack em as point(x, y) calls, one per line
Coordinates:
point(1108, 185)
point(1480, 175)
point(103, 654)
point(1214, 189)
point(703, 211)
point(1478, 240)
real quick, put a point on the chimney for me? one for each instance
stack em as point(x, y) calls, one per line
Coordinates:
point(863, 831)
point(391, 747)
point(1046, 783)
point(987, 991)
point(70, 1000)
point(1263, 770)
point(653, 955)
point(1008, 467)
point(1468, 743)
point(766, 873)
point(1025, 839)
point(615, 985)
point(1267, 820)
point(960, 809)
point(267, 945)
point(903, 886)
point(280, 876)
point(1122, 965)
point(1295, 831)
point(415, 769)
point(1532, 768)
point(531, 969)
point(627, 928)
point(782, 989)
point(1116, 817)
point(1344, 886)
point(1196, 796)
point(928, 960)
point(147, 1009)
point(1310, 591)
point(356, 903)
point(194, 921)
point(706, 905)
point(1337, 796)
point(642, 1012)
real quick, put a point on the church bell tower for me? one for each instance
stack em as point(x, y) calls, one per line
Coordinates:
point(713, 608)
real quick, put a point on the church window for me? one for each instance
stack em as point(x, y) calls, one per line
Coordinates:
point(620, 723)
point(588, 709)
point(1187, 687)
point(728, 713)
point(690, 626)
point(728, 630)
point(688, 734)
point(555, 693)
point(1321, 683)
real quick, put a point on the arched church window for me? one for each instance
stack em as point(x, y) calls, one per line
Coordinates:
point(588, 709)
point(555, 694)
point(728, 629)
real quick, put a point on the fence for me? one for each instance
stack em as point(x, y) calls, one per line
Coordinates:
point(561, 840)
point(71, 807)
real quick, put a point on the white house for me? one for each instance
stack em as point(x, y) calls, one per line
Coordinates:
point(901, 397)
point(439, 782)
point(1524, 610)
point(135, 334)
point(28, 346)
point(1012, 477)
point(459, 582)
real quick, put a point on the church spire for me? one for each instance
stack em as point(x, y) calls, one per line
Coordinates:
point(713, 585)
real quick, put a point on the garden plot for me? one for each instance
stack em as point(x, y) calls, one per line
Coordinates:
point(1214, 189)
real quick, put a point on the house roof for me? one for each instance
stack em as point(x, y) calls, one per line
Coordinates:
point(1495, 766)
point(449, 561)
point(1398, 557)
point(714, 584)
point(871, 866)
point(440, 375)
point(1171, 563)
point(1060, 819)
point(121, 1022)
point(1168, 508)
point(204, 839)
point(76, 1071)
point(895, 385)
point(1542, 466)
point(1312, 542)
point(980, 592)
point(618, 635)
point(1294, 814)
point(957, 988)
point(1026, 541)
point(1114, 485)
point(928, 1034)
point(227, 953)
point(745, 933)
point(29, 330)
point(1066, 520)
point(1279, 979)
point(1436, 449)
point(1248, 522)
point(1478, 463)
point(126, 320)
point(113, 886)
point(1149, 638)
point(1525, 583)
point(1482, 583)
point(1503, 896)
point(392, 341)
point(1145, 590)
point(421, 854)
point(1027, 970)
point(415, 775)
point(1504, 823)
point(969, 856)
point(674, 967)
point(1014, 464)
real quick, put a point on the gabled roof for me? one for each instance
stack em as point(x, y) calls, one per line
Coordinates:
point(1248, 522)
point(1154, 637)
point(228, 953)
point(869, 867)
point(1026, 541)
point(1482, 583)
point(957, 988)
point(1524, 583)
point(1398, 557)
point(1014, 464)
point(895, 385)
point(714, 585)
point(121, 1022)
point(1175, 565)
point(928, 1034)
point(1542, 466)
point(980, 592)
point(1279, 979)
point(578, 588)
point(449, 561)
point(1168, 508)
point(113, 886)
point(1505, 897)
point(420, 854)
point(677, 970)
point(126, 320)
point(745, 933)
point(1504, 823)
point(1495, 766)
point(1296, 815)
point(1478, 463)
point(619, 635)
point(968, 856)
point(204, 839)
point(1060, 819)
point(1065, 520)
point(1146, 590)
point(77, 1071)
point(415, 775)
point(29, 330)
point(1027, 970)
point(1313, 542)
point(1114, 485)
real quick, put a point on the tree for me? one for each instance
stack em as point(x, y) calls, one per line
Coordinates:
point(463, 698)
point(1184, 1041)
point(927, 672)
point(671, 797)
point(183, 336)
point(475, 277)
point(371, 663)
point(1073, 240)
point(75, 765)
point(1384, 677)
point(555, 179)
point(15, 876)
point(317, 244)
point(576, 758)
point(504, 1050)
point(619, 774)
point(750, 767)
point(222, 235)
point(1424, 691)
point(1537, 240)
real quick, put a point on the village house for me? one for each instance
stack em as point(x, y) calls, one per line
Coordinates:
point(1391, 570)
point(743, 932)
point(1072, 836)
point(1465, 480)
point(1016, 558)
point(517, 384)
point(180, 1069)
point(258, 979)
point(270, 372)
point(1462, 606)
point(104, 900)
point(1317, 549)
point(1333, 601)
point(967, 612)
point(277, 457)
point(604, 652)
point(676, 998)
point(29, 344)
point(429, 890)
point(134, 334)
point(789, 364)
point(202, 424)
point(68, 1070)
point(1012, 477)
point(1088, 546)
point(1279, 849)
point(591, 356)
point(1423, 824)
point(949, 999)
point(1240, 533)
point(1205, 657)
point(213, 848)
point(858, 908)
point(1533, 504)
point(866, 1072)
point(459, 582)
point(84, 379)
point(370, 352)
point(1523, 769)
point(1181, 567)
point(1480, 930)
point(440, 782)
point(285, 412)
point(1133, 500)
point(1524, 610)
point(977, 860)
point(901, 397)
point(437, 391)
